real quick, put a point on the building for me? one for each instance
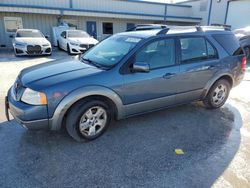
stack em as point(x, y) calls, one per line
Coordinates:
point(233, 13)
point(100, 18)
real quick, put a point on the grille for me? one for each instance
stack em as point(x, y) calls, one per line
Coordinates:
point(84, 46)
point(34, 49)
point(91, 45)
point(87, 46)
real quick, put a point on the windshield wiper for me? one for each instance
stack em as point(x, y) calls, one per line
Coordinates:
point(90, 62)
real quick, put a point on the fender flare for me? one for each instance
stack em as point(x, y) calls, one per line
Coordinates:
point(55, 122)
point(213, 80)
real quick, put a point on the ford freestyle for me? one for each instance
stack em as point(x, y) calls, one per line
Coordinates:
point(128, 74)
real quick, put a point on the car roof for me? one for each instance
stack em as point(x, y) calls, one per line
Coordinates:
point(28, 30)
point(177, 30)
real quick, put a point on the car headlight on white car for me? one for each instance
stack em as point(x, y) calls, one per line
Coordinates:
point(33, 97)
point(21, 44)
point(74, 44)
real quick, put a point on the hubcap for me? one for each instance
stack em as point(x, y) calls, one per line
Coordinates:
point(93, 121)
point(219, 94)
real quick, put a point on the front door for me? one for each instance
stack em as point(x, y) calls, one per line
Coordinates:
point(145, 91)
point(91, 28)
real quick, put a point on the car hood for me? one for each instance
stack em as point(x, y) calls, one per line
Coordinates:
point(32, 41)
point(86, 40)
point(44, 75)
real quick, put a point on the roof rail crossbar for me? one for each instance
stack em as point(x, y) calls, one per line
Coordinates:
point(198, 28)
point(163, 31)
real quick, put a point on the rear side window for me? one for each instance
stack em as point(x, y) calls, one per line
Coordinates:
point(196, 49)
point(230, 43)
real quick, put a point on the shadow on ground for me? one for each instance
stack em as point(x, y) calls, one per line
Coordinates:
point(137, 151)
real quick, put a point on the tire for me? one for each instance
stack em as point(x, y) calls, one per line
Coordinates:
point(58, 45)
point(82, 122)
point(68, 50)
point(217, 94)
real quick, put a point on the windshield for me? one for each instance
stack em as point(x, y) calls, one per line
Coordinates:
point(77, 34)
point(30, 34)
point(110, 51)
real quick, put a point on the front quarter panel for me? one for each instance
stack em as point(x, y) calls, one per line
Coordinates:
point(70, 99)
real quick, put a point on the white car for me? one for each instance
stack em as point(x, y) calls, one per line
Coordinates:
point(75, 41)
point(31, 42)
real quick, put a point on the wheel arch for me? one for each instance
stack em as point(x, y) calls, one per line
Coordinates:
point(97, 92)
point(226, 76)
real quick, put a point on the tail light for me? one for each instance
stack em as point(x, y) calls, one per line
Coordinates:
point(243, 63)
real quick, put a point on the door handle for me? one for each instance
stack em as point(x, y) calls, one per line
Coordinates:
point(168, 75)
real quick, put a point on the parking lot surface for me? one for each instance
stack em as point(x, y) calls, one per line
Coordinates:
point(138, 151)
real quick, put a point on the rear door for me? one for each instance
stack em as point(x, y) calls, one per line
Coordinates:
point(198, 63)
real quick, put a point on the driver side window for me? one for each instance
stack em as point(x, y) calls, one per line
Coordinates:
point(158, 54)
point(63, 34)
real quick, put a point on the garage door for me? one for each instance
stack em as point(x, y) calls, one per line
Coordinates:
point(238, 14)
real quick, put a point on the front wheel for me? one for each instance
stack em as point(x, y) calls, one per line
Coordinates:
point(68, 50)
point(218, 94)
point(88, 120)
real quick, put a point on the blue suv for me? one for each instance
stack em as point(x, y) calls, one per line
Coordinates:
point(128, 74)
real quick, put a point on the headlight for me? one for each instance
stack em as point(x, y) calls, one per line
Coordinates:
point(74, 44)
point(34, 97)
point(20, 44)
point(46, 44)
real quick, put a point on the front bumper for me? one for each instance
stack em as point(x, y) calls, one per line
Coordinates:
point(23, 51)
point(77, 49)
point(29, 116)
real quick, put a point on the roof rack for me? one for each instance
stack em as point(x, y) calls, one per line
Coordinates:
point(197, 28)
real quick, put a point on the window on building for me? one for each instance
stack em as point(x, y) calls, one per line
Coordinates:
point(11, 24)
point(158, 54)
point(196, 49)
point(107, 28)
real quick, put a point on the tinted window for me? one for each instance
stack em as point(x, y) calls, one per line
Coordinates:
point(193, 49)
point(158, 54)
point(210, 50)
point(107, 28)
point(111, 50)
point(30, 34)
point(77, 34)
point(63, 34)
point(229, 42)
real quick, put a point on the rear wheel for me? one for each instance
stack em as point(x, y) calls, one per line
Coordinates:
point(88, 120)
point(218, 94)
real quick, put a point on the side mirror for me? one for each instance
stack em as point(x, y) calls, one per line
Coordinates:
point(46, 36)
point(141, 67)
point(11, 36)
